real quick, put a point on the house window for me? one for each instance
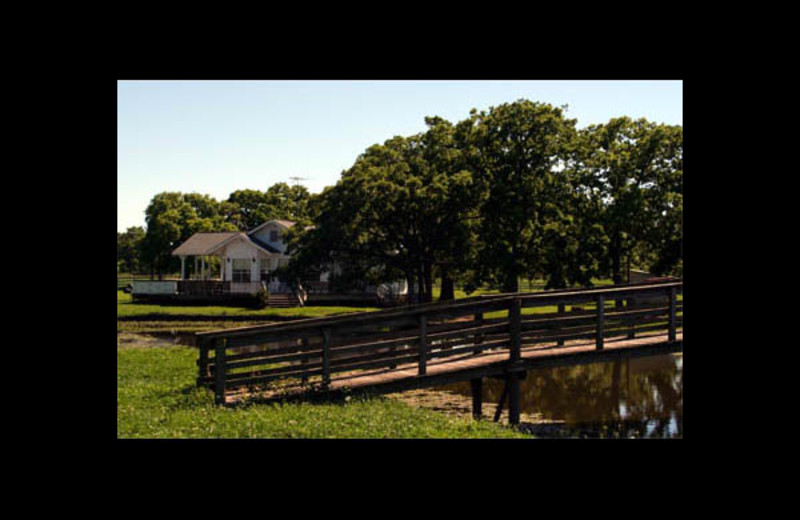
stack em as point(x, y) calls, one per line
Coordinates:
point(241, 270)
point(273, 235)
point(264, 269)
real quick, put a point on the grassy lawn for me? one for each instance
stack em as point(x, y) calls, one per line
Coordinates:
point(126, 307)
point(157, 398)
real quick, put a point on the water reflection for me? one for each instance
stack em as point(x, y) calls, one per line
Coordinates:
point(637, 397)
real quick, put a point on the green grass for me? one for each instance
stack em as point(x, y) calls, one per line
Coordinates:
point(157, 398)
point(172, 327)
point(127, 307)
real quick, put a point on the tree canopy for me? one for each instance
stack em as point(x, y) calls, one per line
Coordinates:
point(512, 192)
point(515, 191)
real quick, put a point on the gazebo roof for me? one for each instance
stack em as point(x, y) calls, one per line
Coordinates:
point(204, 243)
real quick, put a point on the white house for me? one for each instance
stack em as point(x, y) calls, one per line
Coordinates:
point(246, 262)
point(245, 259)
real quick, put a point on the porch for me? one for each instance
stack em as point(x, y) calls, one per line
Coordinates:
point(206, 288)
point(228, 264)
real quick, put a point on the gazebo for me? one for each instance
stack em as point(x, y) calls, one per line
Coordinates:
point(245, 263)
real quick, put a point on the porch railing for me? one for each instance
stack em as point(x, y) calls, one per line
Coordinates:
point(203, 287)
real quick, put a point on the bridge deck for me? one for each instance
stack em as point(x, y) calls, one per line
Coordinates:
point(460, 368)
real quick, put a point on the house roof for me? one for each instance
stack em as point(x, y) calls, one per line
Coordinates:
point(285, 223)
point(202, 243)
point(207, 243)
point(263, 244)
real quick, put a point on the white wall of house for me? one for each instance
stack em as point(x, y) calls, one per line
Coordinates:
point(238, 250)
point(243, 250)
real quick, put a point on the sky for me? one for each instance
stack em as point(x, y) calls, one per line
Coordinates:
point(216, 137)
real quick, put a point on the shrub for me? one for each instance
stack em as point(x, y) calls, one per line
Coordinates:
point(263, 298)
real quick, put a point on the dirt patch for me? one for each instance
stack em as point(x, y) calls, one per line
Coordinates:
point(128, 339)
point(457, 405)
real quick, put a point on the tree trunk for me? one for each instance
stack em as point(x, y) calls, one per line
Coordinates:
point(423, 293)
point(410, 279)
point(420, 285)
point(616, 259)
point(448, 291)
point(512, 279)
point(428, 282)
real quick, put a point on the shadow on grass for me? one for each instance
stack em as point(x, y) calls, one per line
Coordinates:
point(313, 393)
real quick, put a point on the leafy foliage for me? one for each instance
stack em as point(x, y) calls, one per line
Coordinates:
point(632, 173)
point(247, 209)
point(129, 246)
point(509, 193)
point(515, 192)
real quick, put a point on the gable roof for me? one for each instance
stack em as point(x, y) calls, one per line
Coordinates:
point(263, 244)
point(284, 223)
point(207, 243)
point(201, 243)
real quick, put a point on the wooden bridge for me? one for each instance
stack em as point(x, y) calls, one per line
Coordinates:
point(500, 335)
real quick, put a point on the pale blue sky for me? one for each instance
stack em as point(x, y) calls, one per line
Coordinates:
point(216, 137)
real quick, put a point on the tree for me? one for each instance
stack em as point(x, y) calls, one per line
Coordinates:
point(247, 209)
point(129, 249)
point(518, 153)
point(173, 217)
point(664, 236)
point(289, 202)
point(632, 172)
point(397, 212)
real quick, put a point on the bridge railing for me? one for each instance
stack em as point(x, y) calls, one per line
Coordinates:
point(320, 350)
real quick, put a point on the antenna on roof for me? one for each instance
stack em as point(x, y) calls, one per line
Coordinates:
point(297, 180)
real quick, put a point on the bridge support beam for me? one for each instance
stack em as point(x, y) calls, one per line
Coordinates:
point(511, 390)
point(477, 397)
point(513, 397)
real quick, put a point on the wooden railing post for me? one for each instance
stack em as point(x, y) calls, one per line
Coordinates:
point(220, 345)
point(304, 361)
point(601, 315)
point(479, 336)
point(423, 344)
point(561, 311)
point(326, 356)
point(202, 362)
point(672, 302)
point(631, 320)
point(515, 328)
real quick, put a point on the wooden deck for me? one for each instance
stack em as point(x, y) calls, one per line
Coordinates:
point(470, 366)
point(426, 345)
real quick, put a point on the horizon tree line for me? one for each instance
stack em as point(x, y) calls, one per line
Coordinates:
point(513, 192)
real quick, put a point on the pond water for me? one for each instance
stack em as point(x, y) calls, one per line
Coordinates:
point(638, 397)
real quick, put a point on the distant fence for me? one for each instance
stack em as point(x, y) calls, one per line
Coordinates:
point(124, 280)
